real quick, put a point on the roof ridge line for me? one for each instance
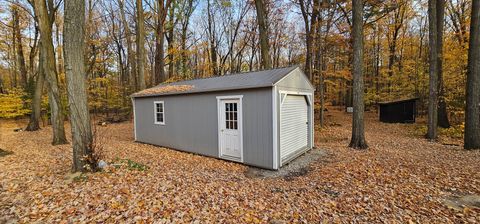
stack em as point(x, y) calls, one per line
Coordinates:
point(228, 74)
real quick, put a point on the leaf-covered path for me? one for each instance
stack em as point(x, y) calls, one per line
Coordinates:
point(400, 178)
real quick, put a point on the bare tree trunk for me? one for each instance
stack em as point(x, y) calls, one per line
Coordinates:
point(316, 33)
point(472, 111)
point(163, 6)
point(442, 105)
point(33, 52)
point(74, 45)
point(183, 45)
point(33, 124)
point(160, 75)
point(263, 30)
point(2, 89)
point(321, 92)
point(309, 22)
point(60, 62)
point(185, 21)
point(433, 71)
point(19, 46)
point(91, 51)
point(398, 20)
point(131, 64)
point(171, 42)
point(140, 45)
point(358, 132)
point(212, 40)
point(45, 21)
point(13, 57)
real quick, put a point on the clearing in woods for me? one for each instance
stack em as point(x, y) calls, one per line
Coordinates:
point(402, 177)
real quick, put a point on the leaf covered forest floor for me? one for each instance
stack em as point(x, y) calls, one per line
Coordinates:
point(401, 178)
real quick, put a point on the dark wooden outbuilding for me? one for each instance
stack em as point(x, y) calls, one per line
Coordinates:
point(400, 111)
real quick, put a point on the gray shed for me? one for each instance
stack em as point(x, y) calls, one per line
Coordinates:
point(262, 118)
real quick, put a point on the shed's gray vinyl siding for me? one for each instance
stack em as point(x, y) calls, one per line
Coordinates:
point(191, 123)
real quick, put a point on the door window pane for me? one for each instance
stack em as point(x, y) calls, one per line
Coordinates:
point(231, 116)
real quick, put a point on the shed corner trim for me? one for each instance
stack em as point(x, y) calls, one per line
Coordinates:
point(134, 119)
point(275, 127)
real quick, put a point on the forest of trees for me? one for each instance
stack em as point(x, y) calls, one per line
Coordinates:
point(357, 53)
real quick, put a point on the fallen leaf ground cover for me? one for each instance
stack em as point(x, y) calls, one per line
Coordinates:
point(401, 178)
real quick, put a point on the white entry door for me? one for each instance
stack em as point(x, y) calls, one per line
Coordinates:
point(230, 137)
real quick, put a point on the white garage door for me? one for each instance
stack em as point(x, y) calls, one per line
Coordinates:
point(293, 126)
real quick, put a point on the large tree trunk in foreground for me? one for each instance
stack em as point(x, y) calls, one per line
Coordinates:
point(358, 132)
point(263, 30)
point(140, 45)
point(472, 111)
point(442, 105)
point(73, 43)
point(433, 71)
point(33, 124)
point(45, 21)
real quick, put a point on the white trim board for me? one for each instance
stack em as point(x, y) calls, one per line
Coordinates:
point(240, 124)
point(134, 120)
point(275, 127)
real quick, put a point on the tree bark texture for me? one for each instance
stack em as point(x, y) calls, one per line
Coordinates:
point(398, 20)
point(131, 63)
point(2, 89)
point(316, 32)
point(33, 124)
point(183, 37)
point(309, 37)
point(45, 21)
point(472, 111)
point(160, 75)
point(212, 39)
point(442, 104)
point(263, 30)
point(433, 71)
point(140, 45)
point(171, 42)
point(19, 46)
point(358, 132)
point(74, 46)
